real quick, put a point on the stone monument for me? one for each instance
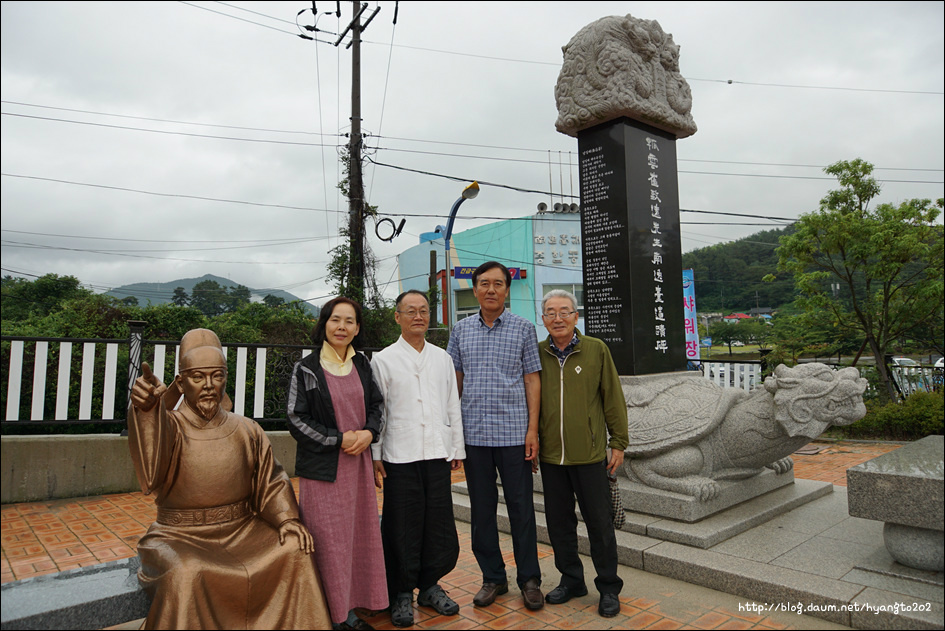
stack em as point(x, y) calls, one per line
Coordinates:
point(696, 449)
point(621, 93)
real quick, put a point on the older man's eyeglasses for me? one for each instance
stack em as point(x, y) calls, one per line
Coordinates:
point(554, 315)
point(413, 313)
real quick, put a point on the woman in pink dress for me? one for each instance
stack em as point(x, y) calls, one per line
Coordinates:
point(334, 415)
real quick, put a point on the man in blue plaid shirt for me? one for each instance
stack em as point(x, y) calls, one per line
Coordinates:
point(495, 354)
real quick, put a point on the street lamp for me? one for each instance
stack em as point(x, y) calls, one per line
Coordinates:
point(469, 192)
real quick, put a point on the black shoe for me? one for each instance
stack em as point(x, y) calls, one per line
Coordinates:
point(562, 594)
point(435, 597)
point(609, 605)
point(401, 610)
point(486, 595)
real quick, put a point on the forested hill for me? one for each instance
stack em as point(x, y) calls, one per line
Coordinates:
point(728, 275)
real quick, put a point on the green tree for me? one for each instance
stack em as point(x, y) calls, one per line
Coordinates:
point(181, 299)
point(755, 332)
point(729, 275)
point(791, 335)
point(239, 296)
point(886, 264)
point(210, 298)
point(24, 299)
point(273, 301)
point(170, 322)
point(724, 333)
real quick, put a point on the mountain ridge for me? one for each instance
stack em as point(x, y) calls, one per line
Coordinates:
point(156, 293)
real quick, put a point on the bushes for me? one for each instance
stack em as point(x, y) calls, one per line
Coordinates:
point(920, 415)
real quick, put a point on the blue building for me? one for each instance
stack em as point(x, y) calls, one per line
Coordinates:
point(546, 247)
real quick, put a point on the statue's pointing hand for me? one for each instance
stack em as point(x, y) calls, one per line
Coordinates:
point(147, 389)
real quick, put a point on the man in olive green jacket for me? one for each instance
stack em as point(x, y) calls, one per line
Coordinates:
point(581, 403)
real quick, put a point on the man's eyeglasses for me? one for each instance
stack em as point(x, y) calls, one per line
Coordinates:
point(564, 315)
point(413, 313)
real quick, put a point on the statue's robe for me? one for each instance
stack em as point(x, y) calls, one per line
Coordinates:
point(213, 558)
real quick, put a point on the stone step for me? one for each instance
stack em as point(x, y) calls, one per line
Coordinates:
point(707, 532)
point(630, 546)
point(824, 597)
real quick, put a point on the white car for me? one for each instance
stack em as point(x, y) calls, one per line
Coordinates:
point(904, 361)
point(940, 363)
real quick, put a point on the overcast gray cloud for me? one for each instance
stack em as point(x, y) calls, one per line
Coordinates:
point(165, 107)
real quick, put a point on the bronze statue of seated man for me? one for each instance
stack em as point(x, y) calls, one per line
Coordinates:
point(228, 550)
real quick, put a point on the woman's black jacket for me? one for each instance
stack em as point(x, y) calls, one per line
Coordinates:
point(312, 417)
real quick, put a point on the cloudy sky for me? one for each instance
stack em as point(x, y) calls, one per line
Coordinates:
point(156, 141)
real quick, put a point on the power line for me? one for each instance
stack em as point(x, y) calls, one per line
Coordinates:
point(557, 64)
point(383, 214)
point(814, 87)
point(125, 239)
point(178, 195)
point(166, 249)
point(398, 138)
point(774, 176)
point(233, 6)
point(34, 246)
point(169, 133)
point(197, 6)
point(164, 120)
point(725, 81)
point(562, 195)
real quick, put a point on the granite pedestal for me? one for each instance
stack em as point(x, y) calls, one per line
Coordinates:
point(905, 489)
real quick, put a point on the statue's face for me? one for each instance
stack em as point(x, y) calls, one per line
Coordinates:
point(203, 385)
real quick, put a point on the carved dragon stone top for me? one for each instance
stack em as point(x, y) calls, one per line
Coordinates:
point(623, 67)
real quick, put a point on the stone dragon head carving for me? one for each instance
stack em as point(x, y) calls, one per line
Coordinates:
point(623, 67)
point(809, 398)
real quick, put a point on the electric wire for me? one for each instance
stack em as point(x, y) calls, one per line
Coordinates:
point(197, 6)
point(399, 150)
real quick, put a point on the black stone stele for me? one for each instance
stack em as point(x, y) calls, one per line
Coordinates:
point(633, 296)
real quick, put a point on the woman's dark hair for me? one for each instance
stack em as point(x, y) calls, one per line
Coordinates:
point(318, 333)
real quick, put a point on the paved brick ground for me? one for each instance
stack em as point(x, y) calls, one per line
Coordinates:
point(45, 537)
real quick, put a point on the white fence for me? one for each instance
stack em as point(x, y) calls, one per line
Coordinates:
point(85, 380)
point(63, 382)
point(912, 379)
point(733, 374)
point(88, 380)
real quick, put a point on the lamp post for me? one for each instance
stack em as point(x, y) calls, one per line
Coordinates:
point(469, 192)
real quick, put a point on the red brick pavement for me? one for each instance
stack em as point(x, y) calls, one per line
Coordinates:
point(45, 537)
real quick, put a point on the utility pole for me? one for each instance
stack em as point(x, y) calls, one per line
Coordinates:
point(355, 182)
point(356, 202)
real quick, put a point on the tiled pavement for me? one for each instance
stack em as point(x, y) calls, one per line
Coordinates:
point(45, 537)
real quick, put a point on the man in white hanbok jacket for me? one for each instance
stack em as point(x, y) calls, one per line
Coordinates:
point(420, 443)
